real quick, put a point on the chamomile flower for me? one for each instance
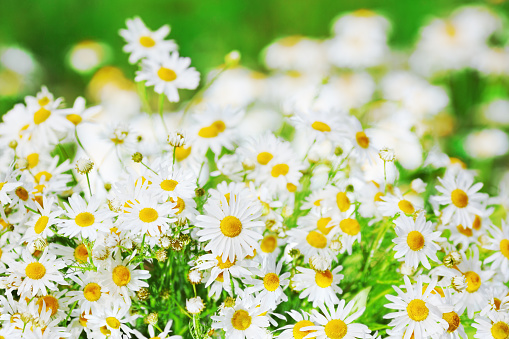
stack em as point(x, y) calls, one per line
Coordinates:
point(165, 334)
point(337, 322)
point(92, 295)
point(319, 287)
point(311, 241)
point(168, 74)
point(172, 182)
point(495, 326)
point(112, 320)
point(121, 277)
point(270, 287)
point(85, 219)
point(225, 269)
point(391, 204)
point(228, 227)
point(416, 241)
point(143, 43)
point(295, 331)
point(499, 242)
point(319, 125)
point(40, 223)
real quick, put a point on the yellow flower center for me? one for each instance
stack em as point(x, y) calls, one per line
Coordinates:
point(417, 310)
point(74, 118)
point(222, 265)
point(378, 196)
point(320, 126)
point(453, 320)
point(148, 214)
point(406, 206)
point(500, 330)
point(450, 29)
point(113, 322)
point(213, 130)
point(316, 239)
point(366, 13)
point(271, 282)
point(121, 275)
point(504, 248)
point(342, 201)
point(104, 330)
point(497, 303)
point(336, 329)
point(291, 187)
point(168, 184)
point(279, 169)
point(92, 292)
point(22, 193)
point(166, 74)
point(43, 101)
point(241, 320)
point(35, 270)
point(1, 252)
point(476, 225)
point(81, 253)
point(264, 157)
point(362, 139)
point(50, 301)
point(41, 224)
point(473, 281)
point(350, 226)
point(179, 206)
point(465, 231)
point(318, 202)
point(459, 198)
point(290, 41)
point(231, 226)
point(181, 153)
point(324, 279)
point(33, 160)
point(84, 219)
point(322, 223)
point(83, 320)
point(415, 240)
point(41, 116)
point(147, 41)
point(38, 176)
point(269, 244)
point(298, 333)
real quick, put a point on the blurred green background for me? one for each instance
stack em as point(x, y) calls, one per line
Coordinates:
point(204, 29)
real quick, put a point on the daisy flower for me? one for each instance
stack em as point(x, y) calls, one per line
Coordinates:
point(92, 295)
point(270, 287)
point(167, 74)
point(222, 268)
point(416, 241)
point(295, 331)
point(165, 334)
point(121, 277)
point(173, 182)
point(38, 275)
point(499, 242)
point(85, 219)
point(415, 314)
point(244, 320)
point(143, 43)
point(319, 287)
point(337, 323)
point(79, 112)
point(319, 125)
point(391, 204)
point(283, 173)
point(461, 197)
point(228, 225)
point(195, 305)
point(350, 231)
point(40, 224)
point(362, 148)
point(259, 151)
point(311, 241)
point(112, 320)
point(495, 326)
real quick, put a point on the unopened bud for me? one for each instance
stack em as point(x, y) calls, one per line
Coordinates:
point(232, 59)
point(319, 263)
point(137, 157)
point(143, 293)
point(452, 259)
point(459, 283)
point(84, 166)
point(151, 318)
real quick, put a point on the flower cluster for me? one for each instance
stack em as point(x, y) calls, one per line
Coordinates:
point(268, 205)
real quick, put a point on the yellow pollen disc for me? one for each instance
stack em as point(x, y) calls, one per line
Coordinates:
point(41, 116)
point(81, 254)
point(269, 244)
point(291, 187)
point(231, 226)
point(350, 226)
point(362, 139)
point(83, 320)
point(38, 176)
point(51, 303)
point(213, 130)
point(74, 118)
point(477, 223)
point(459, 198)
point(147, 41)
point(168, 184)
point(222, 265)
point(320, 126)
point(279, 169)
point(1, 253)
point(473, 281)
point(92, 292)
point(220, 277)
point(113, 322)
point(316, 239)
point(378, 196)
point(148, 214)
point(219, 125)
point(465, 231)
point(271, 282)
point(84, 219)
point(366, 13)
point(180, 205)
point(166, 74)
point(336, 329)
point(417, 310)
point(181, 153)
point(342, 201)
point(415, 240)
point(264, 157)
point(500, 330)
point(22, 193)
point(406, 206)
point(324, 279)
point(450, 29)
point(497, 302)
point(290, 41)
point(35, 270)
point(33, 160)
point(43, 101)
point(322, 223)
point(453, 320)
point(2, 184)
point(241, 320)
point(121, 275)
point(41, 224)
point(317, 202)
point(298, 333)
point(104, 330)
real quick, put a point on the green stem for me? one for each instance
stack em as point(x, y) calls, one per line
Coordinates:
point(142, 91)
point(161, 104)
point(88, 182)
point(69, 314)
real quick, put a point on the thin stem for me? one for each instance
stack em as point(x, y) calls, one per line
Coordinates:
point(69, 314)
point(161, 104)
point(148, 167)
point(142, 91)
point(174, 152)
point(88, 182)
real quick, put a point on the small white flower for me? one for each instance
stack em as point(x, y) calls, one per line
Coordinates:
point(320, 263)
point(418, 186)
point(387, 154)
point(84, 166)
point(195, 305)
point(177, 139)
